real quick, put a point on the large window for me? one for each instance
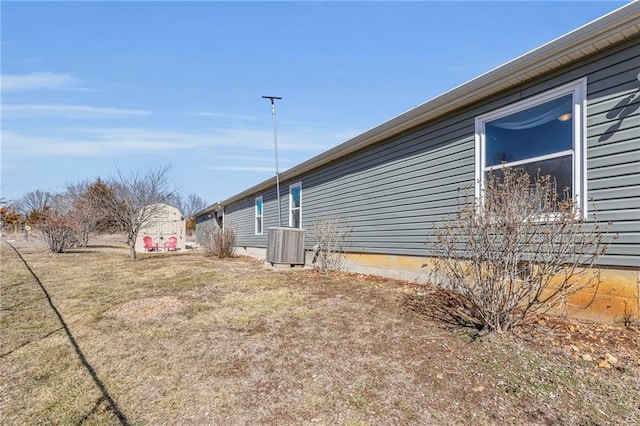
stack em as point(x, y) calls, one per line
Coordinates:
point(259, 215)
point(295, 205)
point(543, 134)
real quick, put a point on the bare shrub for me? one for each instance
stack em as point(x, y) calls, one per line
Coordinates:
point(65, 222)
point(630, 317)
point(59, 231)
point(330, 233)
point(519, 250)
point(219, 242)
point(79, 206)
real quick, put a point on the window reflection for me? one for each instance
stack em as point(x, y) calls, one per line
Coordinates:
point(540, 130)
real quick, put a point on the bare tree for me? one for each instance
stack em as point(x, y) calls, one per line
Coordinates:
point(82, 210)
point(175, 199)
point(193, 205)
point(219, 242)
point(9, 216)
point(33, 204)
point(188, 207)
point(330, 233)
point(131, 200)
point(33, 201)
point(520, 249)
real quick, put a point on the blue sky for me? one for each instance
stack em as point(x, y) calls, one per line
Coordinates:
point(88, 87)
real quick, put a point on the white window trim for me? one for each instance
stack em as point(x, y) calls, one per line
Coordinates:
point(256, 215)
point(295, 185)
point(579, 90)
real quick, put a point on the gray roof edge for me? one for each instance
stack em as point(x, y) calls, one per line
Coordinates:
point(625, 18)
point(212, 208)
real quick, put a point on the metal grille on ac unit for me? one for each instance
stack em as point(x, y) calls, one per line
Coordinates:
point(285, 245)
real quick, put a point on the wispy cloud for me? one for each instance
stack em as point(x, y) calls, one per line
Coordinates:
point(79, 142)
point(39, 81)
point(251, 163)
point(74, 112)
point(243, 168)
point(227, 116)
point(82, 144)
point(248, 158)
point(116, 141)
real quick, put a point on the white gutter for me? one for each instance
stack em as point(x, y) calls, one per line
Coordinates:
point(212, 208)
point(621, 24)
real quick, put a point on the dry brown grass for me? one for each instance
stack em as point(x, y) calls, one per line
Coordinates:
point(186, 339)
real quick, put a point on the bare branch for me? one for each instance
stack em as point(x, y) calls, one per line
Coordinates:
point(131, 200)
point(330, 233)
point(219, 242)
point(521, 249)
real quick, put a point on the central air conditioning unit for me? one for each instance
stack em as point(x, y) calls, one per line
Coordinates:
point(286, 246)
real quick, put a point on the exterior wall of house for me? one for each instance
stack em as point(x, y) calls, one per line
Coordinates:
point(168, 222)
point(241, 216)
point(204, 223)
point(393, 193)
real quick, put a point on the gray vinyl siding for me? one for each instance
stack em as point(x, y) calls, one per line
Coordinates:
point(241, 217)
point(393, 193)
point(203, 223)
point(613, 151)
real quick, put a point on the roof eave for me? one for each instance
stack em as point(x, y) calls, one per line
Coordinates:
point(209, 209)
point(597, 35)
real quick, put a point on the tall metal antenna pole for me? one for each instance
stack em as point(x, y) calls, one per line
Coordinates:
point(275, 143)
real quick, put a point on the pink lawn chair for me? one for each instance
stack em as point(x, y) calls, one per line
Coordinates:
point(149, 245)
point(171, 244)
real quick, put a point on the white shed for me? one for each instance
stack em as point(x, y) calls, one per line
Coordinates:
point(168, 222)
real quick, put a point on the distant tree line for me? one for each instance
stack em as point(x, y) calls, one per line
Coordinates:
point(122, 205)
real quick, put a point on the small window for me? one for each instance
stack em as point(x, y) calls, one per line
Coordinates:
point(543, 134)
point(295, 205)
point(259, 216)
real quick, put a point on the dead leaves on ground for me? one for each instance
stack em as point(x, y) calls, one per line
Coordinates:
point(599, 346)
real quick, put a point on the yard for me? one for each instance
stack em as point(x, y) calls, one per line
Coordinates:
point(185, 339)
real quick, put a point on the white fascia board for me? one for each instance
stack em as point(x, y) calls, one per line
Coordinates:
point(212, 208)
